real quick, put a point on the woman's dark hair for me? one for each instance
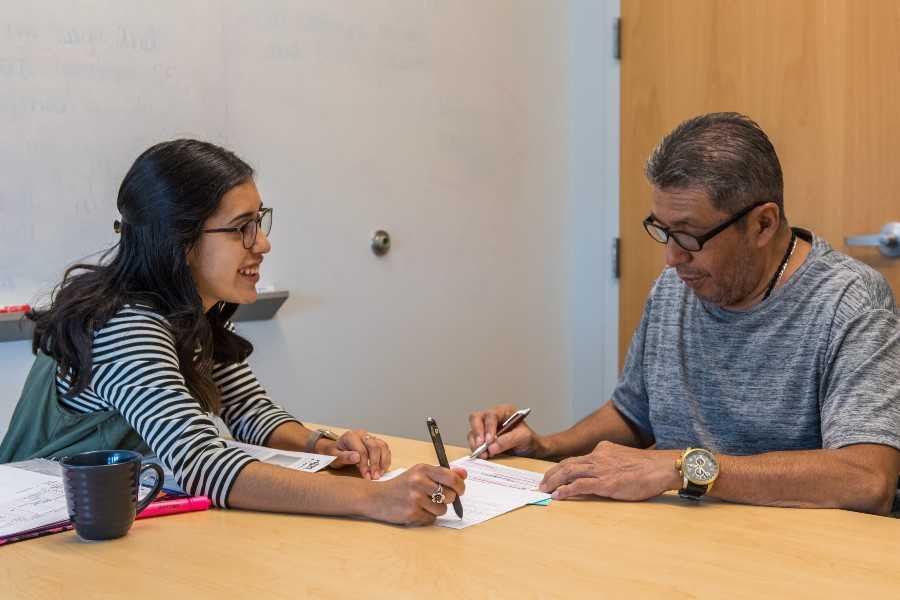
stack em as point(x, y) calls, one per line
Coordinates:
point(165, 199)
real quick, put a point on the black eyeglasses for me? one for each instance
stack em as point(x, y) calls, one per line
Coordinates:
point(249, 229)
point(689, 241)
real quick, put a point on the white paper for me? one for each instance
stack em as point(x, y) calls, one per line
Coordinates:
point(483, 501)
point(491, 472)
point(29, 500)
point(491, 490)
point(299, 461)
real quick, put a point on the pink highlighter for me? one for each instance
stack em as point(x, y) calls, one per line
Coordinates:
point(171, 507)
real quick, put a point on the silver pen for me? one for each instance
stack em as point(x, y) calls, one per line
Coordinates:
point(507, 425)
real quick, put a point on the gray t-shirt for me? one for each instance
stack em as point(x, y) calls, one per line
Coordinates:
point(817, 365)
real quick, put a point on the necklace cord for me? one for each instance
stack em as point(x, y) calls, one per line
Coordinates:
point(784, 261)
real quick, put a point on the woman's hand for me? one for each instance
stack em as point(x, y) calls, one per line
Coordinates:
point(411, 497)
point(408, 498)
point(358, 447)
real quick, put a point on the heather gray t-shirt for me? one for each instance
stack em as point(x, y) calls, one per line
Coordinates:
point(817, 365)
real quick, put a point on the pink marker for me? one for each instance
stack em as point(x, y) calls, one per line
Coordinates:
point(171, 507)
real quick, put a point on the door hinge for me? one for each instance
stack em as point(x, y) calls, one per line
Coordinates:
point(617, 38)
point(615, 258)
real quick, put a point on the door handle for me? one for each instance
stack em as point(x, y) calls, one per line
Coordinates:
point(887, 240)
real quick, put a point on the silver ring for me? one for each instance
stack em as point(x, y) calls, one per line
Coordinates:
point(367, 437)
point(438, 496)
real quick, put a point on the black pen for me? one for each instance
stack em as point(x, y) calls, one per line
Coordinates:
point(513, 420)
point(442, 458)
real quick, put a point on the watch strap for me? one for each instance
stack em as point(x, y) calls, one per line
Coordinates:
point(316, 436)
point(693, 491)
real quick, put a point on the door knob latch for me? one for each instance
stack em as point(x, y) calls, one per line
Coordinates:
point(887, 240)
point(380, 242)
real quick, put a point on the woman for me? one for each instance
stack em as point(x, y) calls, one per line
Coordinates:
point(135, 351)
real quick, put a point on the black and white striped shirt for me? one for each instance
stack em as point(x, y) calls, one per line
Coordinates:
point(135, 371)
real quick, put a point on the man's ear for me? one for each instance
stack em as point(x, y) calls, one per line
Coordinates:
point(768, 219)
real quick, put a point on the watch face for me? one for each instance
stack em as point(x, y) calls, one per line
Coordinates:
point(699, 467)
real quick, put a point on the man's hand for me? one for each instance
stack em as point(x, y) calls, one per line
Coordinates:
point(614, 471)
point(521, 441)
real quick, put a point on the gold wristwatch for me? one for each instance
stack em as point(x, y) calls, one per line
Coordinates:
point(699, 468)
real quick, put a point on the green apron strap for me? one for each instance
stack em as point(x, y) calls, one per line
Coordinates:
point(41, 428)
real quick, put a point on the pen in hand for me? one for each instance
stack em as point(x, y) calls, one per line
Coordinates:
point(442, 458)
point(507, 425)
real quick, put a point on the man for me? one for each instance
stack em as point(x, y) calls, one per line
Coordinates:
point(765, 363)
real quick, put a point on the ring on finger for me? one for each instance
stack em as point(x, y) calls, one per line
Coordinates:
point(438, 496)
point(367, 437)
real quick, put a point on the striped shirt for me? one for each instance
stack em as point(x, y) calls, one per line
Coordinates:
point(136, 372)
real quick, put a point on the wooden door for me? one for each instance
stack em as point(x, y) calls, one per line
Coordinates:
point(821, 77)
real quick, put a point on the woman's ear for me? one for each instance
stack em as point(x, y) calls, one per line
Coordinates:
point(189, 254)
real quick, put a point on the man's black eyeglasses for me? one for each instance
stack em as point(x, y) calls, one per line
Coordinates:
point(249, 229)
point(689, 241)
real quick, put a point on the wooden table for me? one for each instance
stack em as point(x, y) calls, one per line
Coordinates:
point(586, 548)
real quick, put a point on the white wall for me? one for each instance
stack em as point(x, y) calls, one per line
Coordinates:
point(594, 218)
point(481, 135)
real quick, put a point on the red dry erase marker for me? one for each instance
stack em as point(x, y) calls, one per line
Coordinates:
point(15, 308)
point(170, 507)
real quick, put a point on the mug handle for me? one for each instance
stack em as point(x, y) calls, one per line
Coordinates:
point(157, 486)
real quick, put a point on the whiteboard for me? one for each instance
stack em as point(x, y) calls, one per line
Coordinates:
point(323, 91)
point(445, 123)
point(85, 87)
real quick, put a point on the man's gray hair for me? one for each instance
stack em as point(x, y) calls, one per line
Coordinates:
point(727, 154)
